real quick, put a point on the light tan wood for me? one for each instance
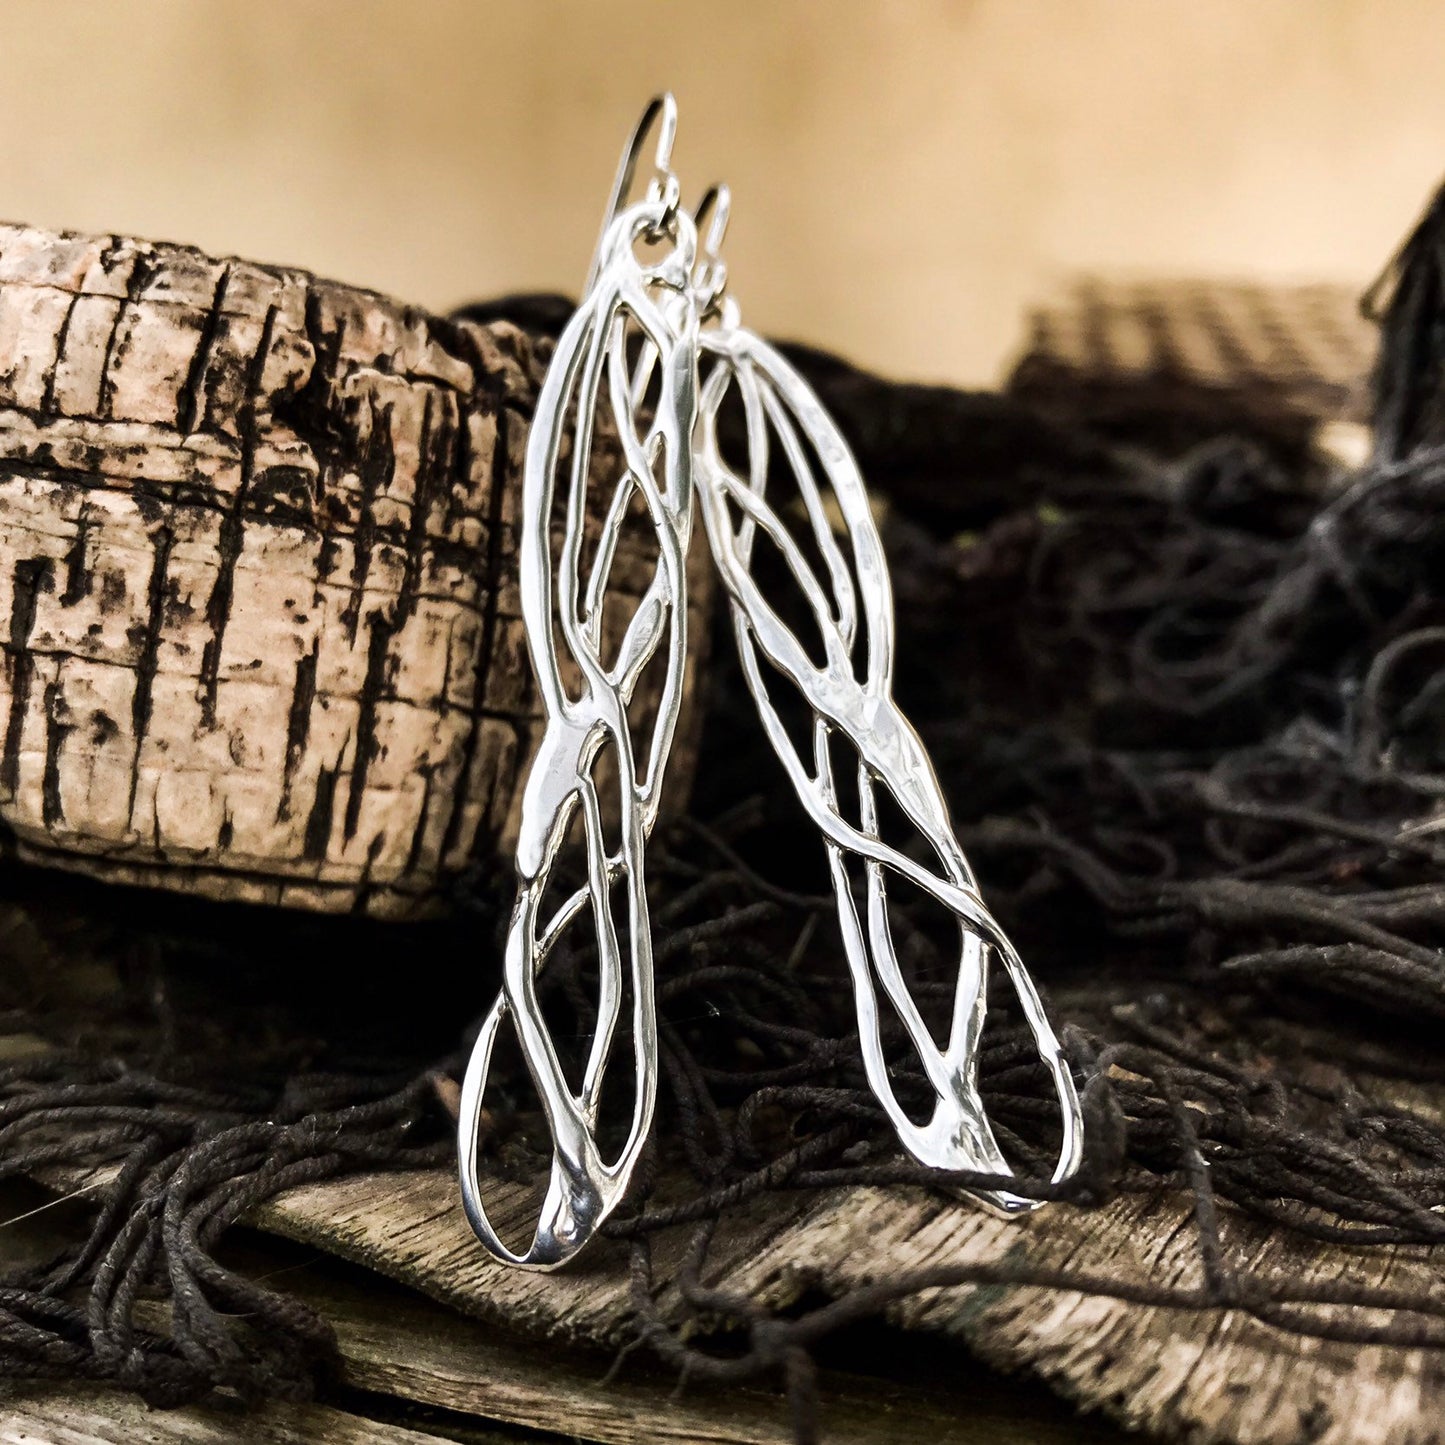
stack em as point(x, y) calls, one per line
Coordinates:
point(410, 1227)
point(403, 1346)
point(1212, 1376)
point(83, 1415)
point(402, 1355)
point(258, 593)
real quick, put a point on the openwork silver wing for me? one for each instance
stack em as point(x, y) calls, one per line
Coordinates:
point(635, 334)
point(799, 493)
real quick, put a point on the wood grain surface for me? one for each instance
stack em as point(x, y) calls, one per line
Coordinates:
point(1206, 1376)
point(411, 1369)
point(83, 1415)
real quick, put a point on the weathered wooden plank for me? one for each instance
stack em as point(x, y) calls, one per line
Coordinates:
point(260, 612)
point(82, 1415)
point(1309, 338)
point(410, 1227)
point(1215, 1376)
point(404, 1346)
point(399, 1350)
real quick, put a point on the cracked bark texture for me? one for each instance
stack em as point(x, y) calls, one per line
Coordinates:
point(258, 599)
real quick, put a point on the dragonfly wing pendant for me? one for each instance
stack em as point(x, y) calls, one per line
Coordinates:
point(634, 336)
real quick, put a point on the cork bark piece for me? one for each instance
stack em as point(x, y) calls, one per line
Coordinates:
point(258, 602)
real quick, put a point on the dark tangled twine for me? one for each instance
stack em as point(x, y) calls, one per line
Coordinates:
point(1195, 727)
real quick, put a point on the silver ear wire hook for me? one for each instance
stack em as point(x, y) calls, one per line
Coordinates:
point(710, 277)
point(661, 112)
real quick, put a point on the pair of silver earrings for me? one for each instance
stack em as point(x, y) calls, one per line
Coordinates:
point(658, 342)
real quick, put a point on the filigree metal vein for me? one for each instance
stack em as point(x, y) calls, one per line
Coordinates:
point(849, 599)
point(591, 368)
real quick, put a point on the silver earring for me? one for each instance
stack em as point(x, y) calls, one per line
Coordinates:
point(678, 306)
point(593, 365)
point(848, 694)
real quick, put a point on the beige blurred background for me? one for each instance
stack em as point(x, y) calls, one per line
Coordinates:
point(907, 175)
